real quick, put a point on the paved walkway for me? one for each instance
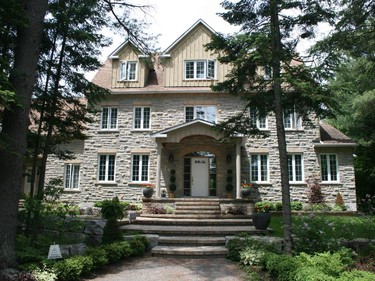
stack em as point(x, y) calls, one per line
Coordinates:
point(173, 269)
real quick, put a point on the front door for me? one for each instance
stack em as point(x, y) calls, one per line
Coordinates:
point(199, 176)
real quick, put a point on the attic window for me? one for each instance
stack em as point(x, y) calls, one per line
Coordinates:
point(199, 69)
point(128, 71)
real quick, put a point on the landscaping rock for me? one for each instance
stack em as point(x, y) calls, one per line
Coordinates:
point(94, 227)
point(73, 250)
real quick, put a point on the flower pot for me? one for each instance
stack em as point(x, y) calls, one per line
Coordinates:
point(147, 192)
point(245, 192)
point(261, 220)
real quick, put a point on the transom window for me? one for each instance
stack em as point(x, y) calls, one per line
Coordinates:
point(207, 113)
point(295, 167)
point(142, 118)
point(329, 167)
point(199, 69)
point(108, 118)
point(106, 171)
point(128, 71)
point(71, 176)
point(257, 120)
point(259, 168)
point(140, 168)
point(292, 120)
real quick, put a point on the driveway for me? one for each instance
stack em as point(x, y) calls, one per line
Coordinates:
point(149, 268)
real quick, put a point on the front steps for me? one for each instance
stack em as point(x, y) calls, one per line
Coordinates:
point(196, 229)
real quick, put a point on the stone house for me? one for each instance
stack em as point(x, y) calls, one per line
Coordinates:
point(160, 118)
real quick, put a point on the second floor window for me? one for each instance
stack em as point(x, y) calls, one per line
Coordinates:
point(141, 118)
point(199, 69)
point(106, 171)
point(295, 168)
point(259, 168)
point(108, 118)
point(257, 120)
point(292, 120)
point(71, 176)
point(207, 113)
point(128, 71)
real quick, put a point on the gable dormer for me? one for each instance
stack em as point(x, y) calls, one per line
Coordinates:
point(130, 66)
point(186, 62)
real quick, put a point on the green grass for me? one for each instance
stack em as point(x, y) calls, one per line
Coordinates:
point(349, 226)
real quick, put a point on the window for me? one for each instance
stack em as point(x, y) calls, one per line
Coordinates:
point(106, 167)
point(141, 118)
point(259, 168)
point(200, 69)
point(295, 167)
point(329, 167)
point(257, 120)
point(128, 70)
point(108, 118)
point(71, 176)
point(140, 167)
point(292, 120)
point(268, 72)
point(207, 113)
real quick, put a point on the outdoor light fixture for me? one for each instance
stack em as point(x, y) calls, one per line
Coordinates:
point(171, 158)
point(229, 158)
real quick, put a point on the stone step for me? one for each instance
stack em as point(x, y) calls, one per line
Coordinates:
point(196, 216)
point(199, 251)
point(197, 203)
point(177, 230)
point(198, 212)
point(192, 221)
point(196, 207)
point(191, 240)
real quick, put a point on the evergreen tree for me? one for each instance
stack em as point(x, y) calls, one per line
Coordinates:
point(270, 31)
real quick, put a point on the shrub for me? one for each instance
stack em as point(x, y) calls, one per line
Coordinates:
point(281, 267)
point(169, 209)
point(44, 274)
point(158, 210)
point(315, 194)
point(112, 232)
point(113, 252)
point(357, 276)
point(99, 257)
point(138, 245)
point(236, 210)
point(278, 206)
point(72, 268)
point(112, 209)
point(296, 206)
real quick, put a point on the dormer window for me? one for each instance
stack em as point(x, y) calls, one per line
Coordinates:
point(199, 69)
point(128, 71)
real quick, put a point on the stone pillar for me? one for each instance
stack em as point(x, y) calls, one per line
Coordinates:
point(238, 170)
point(158, 170)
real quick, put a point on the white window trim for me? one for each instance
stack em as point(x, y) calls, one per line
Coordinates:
point(260, 169)
point(258, 120)
point(109, 119)
point(106, 168)
point(195, 115)
point(142, 118)
point(206, 77)
point(295, 121)
point(328, 168)
point(294, 168)
point(71, 181)
point(124, 65)
point(140, 168)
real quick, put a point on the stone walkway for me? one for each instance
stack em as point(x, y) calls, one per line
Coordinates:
point(172, 269)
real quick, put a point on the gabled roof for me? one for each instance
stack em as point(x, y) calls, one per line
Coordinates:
point(164, 133)
point(179, 39)
point(331, 137)
point(115, 53)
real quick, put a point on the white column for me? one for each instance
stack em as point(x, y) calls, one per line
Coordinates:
point(158, 170)
point(238, 170)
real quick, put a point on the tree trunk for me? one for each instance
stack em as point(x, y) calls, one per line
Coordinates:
point(278, 110)
point(15, 126)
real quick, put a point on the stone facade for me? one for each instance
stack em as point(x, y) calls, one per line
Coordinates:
point(167, 109)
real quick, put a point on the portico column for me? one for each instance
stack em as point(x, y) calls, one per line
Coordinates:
point(158, 170)
point(238, 170)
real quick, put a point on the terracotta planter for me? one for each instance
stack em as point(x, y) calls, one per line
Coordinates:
point(261, 220)
point(147, 192)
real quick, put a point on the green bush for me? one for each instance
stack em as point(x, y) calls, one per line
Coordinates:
point(73, 268)
point(356, 275)
point(113, 252)
point(112, 232)
point(296, 206)
point(112, 209)
point(281, 267)
point(44, 274)
point(99, 257)
point(139, 245)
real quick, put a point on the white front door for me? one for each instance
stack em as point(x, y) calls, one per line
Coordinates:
point(199, 176)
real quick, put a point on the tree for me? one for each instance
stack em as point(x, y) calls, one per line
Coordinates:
point(16, 119)
point(270, 31)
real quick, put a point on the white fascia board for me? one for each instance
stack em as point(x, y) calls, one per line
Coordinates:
point(321, 144)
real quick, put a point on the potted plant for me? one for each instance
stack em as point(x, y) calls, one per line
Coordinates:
point(261, 215)
point(229, 186)
point(246, 189)
point(172, 185)
point(148, 190)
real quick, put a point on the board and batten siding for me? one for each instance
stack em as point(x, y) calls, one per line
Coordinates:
point(191, 48)
point(128, 54)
